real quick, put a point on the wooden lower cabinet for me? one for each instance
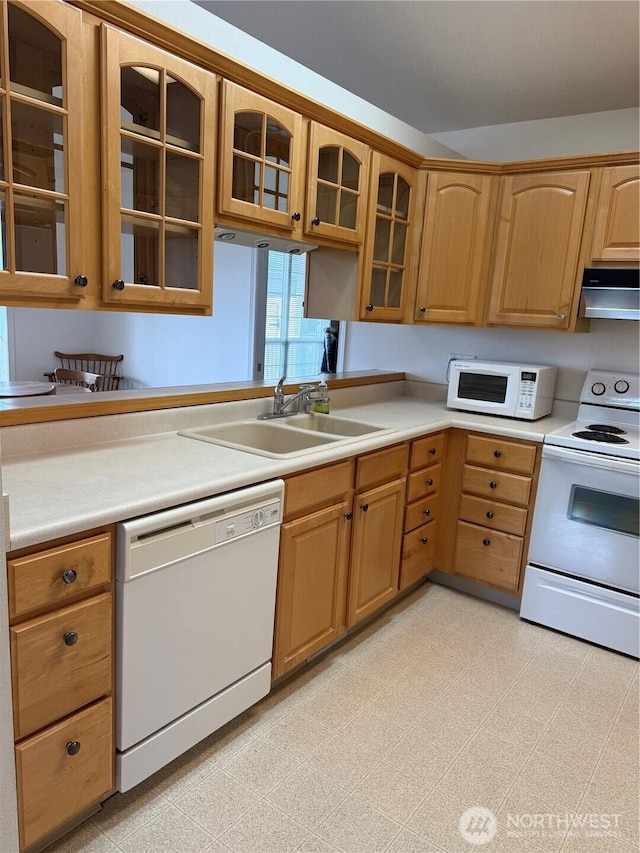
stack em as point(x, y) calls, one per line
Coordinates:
point(488, 556)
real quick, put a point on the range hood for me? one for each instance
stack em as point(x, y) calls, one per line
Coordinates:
point(612, 294)
point(238, 237)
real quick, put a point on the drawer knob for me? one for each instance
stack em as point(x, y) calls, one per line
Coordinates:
point(489, 514)
point(429, 482)
point(497, 453)
point(364, 507)
point(81, 281)
point(73, 747)
point(348, 516)
point(69, 576)
point(424, 540)
point(432, 451)
point(70, 638)
point(486, 541)
point(369, 307)
point(426, 512)
point(423, 310)
point(118, 284)
point(296, 216)
point(315, 221)
point(493, 485)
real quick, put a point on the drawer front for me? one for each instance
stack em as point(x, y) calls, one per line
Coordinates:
point(53, 785)
point(510, 488)
point(426, 451)
point(382, 466)
point(498, 516)
point(488, 556)
point(421, 511)
point(53, 671)
point(424, 482)
point(59, 574)
point(418, 549)
point(501, 454)
point(317, 488)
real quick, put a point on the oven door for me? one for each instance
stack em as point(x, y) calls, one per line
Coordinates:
point(586, 517)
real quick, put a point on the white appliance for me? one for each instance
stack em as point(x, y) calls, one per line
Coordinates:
point(583, 573)
point(496, 388)
point(195, 602)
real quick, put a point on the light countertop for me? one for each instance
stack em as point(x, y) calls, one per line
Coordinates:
point(72, 486)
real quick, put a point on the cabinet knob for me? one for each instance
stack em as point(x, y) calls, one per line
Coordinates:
point(118, 284)
point(423, 310)
point(493, 485)
point(429, 482)
point(369, 307)
point(296, 216)
point(486, 541)
point(70, 638)
point(73, 747)
point(348, 516)
point(497, 453)
point(315, 220)
point(81, 281)
point(489, 514)
point(562, 317)
point(69, 576)
point(432, 451)
point(364, 507)
point(424, 540)
point(426, 512)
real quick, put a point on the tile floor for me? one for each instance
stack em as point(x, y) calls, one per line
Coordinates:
point(444, 703)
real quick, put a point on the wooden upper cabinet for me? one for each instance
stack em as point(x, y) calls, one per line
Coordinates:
point(337, 185)
point(392, 240)
point(458, 226)
point(617, 231)
point(159, 146)
point(261, 160)
point(41, 177)
point(537, 248)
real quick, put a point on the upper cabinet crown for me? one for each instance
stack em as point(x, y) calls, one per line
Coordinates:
point(40, 158)
point(261, 160)
point(617, 232)
point(159, 132)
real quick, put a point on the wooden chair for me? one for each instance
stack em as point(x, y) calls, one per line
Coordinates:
point(91, 381)
point(91, 362)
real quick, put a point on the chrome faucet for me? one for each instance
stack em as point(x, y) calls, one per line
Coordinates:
point(303, 399)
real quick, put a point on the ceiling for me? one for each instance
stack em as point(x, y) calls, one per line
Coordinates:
point(442, 65)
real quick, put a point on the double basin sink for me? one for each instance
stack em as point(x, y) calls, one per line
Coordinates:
point(282, 438)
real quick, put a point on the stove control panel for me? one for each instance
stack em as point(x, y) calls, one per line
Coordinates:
point(611, 389)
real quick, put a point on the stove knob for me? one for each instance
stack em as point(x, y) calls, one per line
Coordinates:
point(621, 386)
point(598, 388)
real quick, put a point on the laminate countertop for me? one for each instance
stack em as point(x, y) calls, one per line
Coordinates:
point(102, 470)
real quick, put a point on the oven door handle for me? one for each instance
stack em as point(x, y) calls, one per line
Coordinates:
point(590, 460)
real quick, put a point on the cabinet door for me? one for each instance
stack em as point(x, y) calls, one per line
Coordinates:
point(455, 247)
point(337, 185)
point(617, 232)
point(391, 241)
point(261, 159)
point(375, 550)
point(159, 130)
point(535, 279)
point(41, 179)
point(310, 608)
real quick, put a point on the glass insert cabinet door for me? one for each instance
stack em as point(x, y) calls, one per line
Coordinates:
point(159, 162)
point(40, 141)
point(391, 249)
point(337, 187)
point(261, 160)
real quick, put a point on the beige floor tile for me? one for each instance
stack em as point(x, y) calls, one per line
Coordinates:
point(578, 752)
point(86, 838)
point(297, 736)
point(260, 766)
point(178, 777)
point(226, 742)
point(124, 814)
point(401, 708)
point(453, 733)
point(438, 821)
point(409, 842)
point(357, 687)
point(372, 731)
point(265, 828)
point(601, 800)
point(581, 843)
point(525, 814)
point(624, 736)
point(306, 796)
point(498, 756)
point(342, 762)
point(315, 844)
point(355, 826)
point(170, 831)
point(421, 758)
point(477, 704)
point(329, 708)
point(425, 684)
point(576, 720)
point(217, 802)
point(619, 771)
point(514, 725)
point(471, 785)
point(391, 791)
point(555, 782)
point(537, 702)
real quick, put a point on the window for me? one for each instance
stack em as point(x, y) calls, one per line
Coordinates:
point(286, 343)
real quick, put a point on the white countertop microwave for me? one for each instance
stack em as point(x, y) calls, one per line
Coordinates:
point(496, 388)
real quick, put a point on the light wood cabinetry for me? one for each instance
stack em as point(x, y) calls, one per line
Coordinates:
point(159, 148)
point(392, 240)
point(535, 279)
point(261, 160)
point(497, 480)
point(617, 229)
point(456, 243)
point(61, 640)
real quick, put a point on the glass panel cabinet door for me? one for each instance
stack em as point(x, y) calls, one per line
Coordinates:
point(337, 185)
point(392, 240)
point(40, 157)
point(260, 160)
point(159, 157)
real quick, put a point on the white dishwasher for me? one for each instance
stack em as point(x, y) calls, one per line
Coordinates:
point(195, 601)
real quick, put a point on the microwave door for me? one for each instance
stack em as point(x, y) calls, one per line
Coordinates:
point(488, 390)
